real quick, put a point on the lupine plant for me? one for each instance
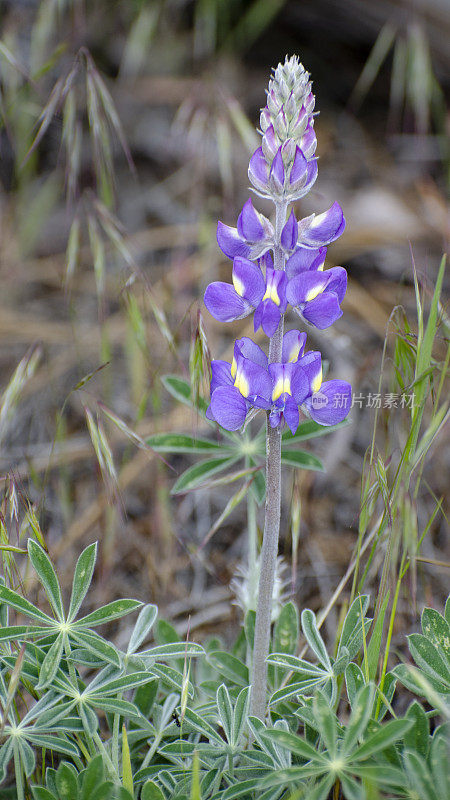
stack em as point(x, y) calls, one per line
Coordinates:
point(276, 264)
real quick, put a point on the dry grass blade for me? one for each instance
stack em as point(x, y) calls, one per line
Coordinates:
point(22, 374)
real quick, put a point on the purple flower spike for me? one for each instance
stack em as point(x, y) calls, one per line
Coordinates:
point(303, 259)
point(258, 171)
point(289, 233)
point(316, 231)
point(331, 404)
point(277, 174)
point(316, 296)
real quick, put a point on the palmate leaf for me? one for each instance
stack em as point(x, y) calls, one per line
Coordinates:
point(198, 474)
point(96, 645)
point(13, 599)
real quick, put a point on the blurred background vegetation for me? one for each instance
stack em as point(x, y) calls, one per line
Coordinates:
point(125, 133)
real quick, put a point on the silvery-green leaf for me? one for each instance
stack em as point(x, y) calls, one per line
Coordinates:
point(51, 663)
point(436, 628)
point(142, 628)
point(240, 714)
point(386, 735)
point(417, 738)
point(203, 727)
point(353, 620)
point(151, 791)
point(352, 790)
point(120, 684)
point(47, 576)
point(301, 688)
point(420, 780)
point(439, 760)
point(427, 656)
point(171, 677)
point(225, 711)
point(6, 751)
point(295, 744)
point(197, 475)
point(13, 599)
point(56, 743)
point(229, 666)
point(327, 723)
point(66, 781)
point(97, 645)
point(354, 681)
point(18, 632)
point(181, 443)
point(313, 637)
point(115, 706)
point(114, 610)
point(240, 789)
point(82, 579)
point(301, 460)
point(174, 650)
point(359, 719)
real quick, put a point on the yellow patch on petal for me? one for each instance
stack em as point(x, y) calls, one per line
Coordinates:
point(272, 294)
point(282, 386)
point(238, 285)
point(295, 352)
point(233, 367)
point(313, 293)
point(241, 383)
point(317, 381)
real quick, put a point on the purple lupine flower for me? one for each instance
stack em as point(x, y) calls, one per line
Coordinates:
point(238, 386)
point(250, 292)
point(282, 388)
point(250, 239)
point(322, 229)
point(316, 296)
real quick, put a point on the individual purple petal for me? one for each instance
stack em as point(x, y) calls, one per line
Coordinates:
point(258, 170)
point(305, 287)
point(248, 280)
point(331, 404)
point(308, 142)
point(249, 223)
point(303, 259)
point(276, 282)
point(291, 414)
point(230, 242)
point(223, 302)
point(289, 233)
point(323, 310)
point(281, 379)
point(266, 261)
point(267, 316)
point(322, 229)
point(275, 418)
point(311, 364)
point(293, 346)
point(337, 281)
point(300, 385)
point(228, 408)
point(253, 382)
point(312, 176)
point(301, 122)
point(220, 374)
point(277, 172)
point(299, 171)
point(270, 143)
point(249, 349)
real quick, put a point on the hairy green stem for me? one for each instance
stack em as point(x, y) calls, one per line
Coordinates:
point(269, 550)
